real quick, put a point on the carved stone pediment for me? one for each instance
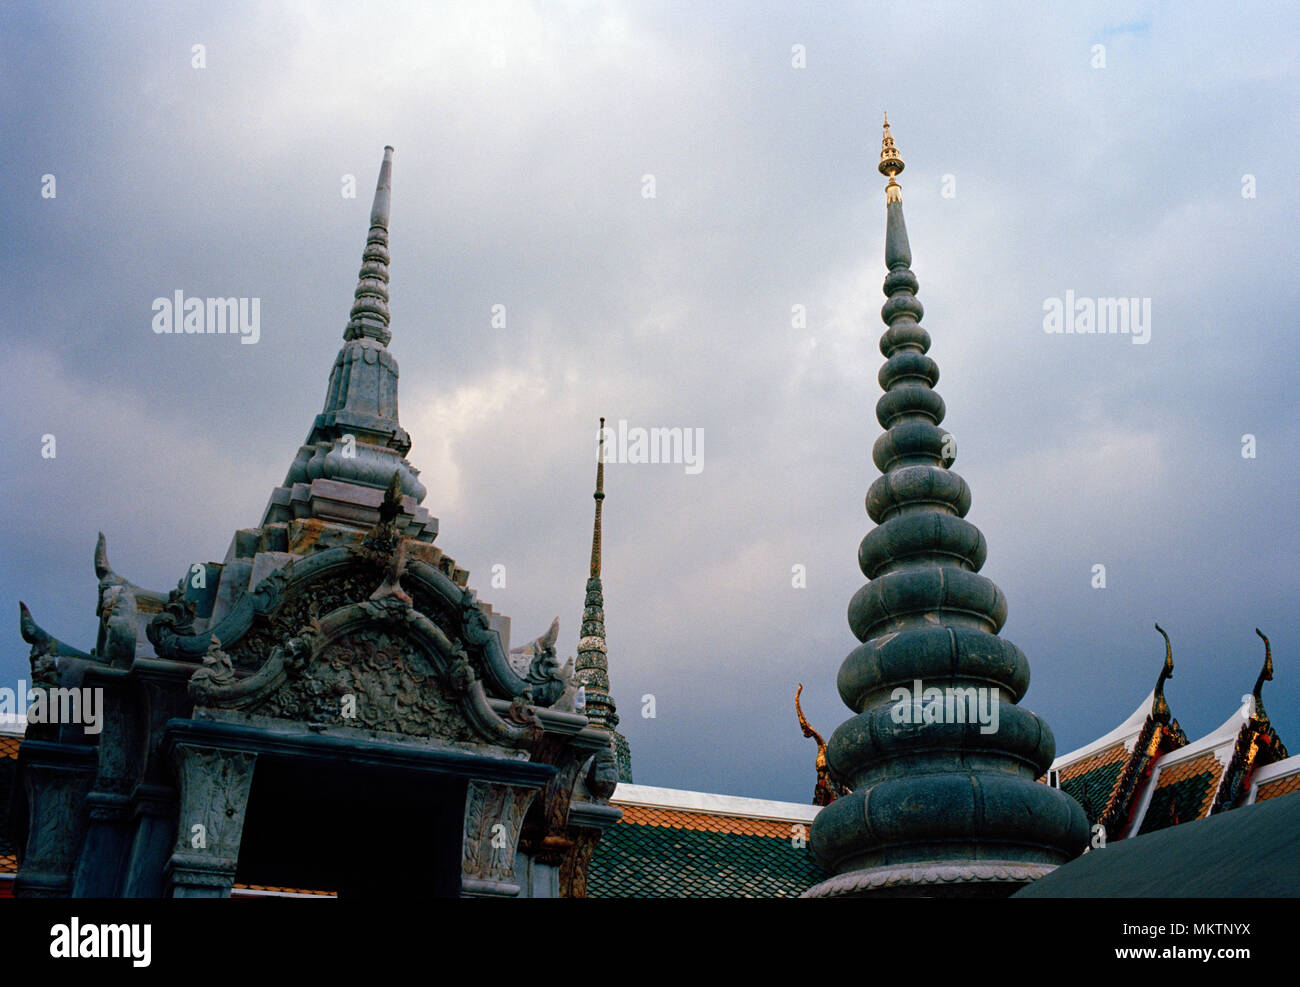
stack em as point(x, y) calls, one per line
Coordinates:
point(377, 665)
point(372, 679)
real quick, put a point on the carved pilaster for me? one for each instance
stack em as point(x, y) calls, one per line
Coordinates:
point(106, 847)
point(214, 787)
point(154, 809)
point(589, 821)
point(55, 780)
point(494, 815)
point(573, 870)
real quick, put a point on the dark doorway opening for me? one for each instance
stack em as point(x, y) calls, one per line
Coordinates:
point(361, 831)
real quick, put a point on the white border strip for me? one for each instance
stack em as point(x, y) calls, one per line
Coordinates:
point(648, 797)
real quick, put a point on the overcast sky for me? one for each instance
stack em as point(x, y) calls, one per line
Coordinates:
point(524, 134)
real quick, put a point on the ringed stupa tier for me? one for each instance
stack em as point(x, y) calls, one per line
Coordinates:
point(940, 761)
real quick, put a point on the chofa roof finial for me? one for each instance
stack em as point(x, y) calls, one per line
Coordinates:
point(1159, 706)
point(1265, 675)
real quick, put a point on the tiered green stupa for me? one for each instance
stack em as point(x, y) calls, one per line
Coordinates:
point(941, 805)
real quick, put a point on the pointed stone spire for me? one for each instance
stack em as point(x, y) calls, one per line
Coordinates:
point(592, 667)
point(599, 496)
point(943, 800)
point(369, 316)
point(356, 443)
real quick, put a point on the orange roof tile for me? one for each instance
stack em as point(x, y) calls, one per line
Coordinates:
point(1190, 769)
point(1277, 787)
point(638, 815)
point(1108, 755)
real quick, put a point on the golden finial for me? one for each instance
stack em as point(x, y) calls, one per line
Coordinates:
point(890, 165)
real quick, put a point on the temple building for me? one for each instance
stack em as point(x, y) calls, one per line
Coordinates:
point(1145, 776)
point(334, 679)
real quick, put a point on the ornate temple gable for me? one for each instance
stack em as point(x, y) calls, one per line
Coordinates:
point(1109, 776)
point(378, 665)
point(1214, 773)
point(1258, 744)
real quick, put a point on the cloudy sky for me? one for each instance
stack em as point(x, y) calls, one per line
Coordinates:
point(1037, 163)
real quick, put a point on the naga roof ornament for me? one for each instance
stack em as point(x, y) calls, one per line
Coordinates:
point(827, 789)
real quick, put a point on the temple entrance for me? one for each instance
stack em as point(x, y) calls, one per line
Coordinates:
point(359, 831)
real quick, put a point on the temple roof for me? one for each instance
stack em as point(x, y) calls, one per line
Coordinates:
point(673, 843)
point(1275, 780)
point(11, 735)
point(1252, 852)
point(1108, 777)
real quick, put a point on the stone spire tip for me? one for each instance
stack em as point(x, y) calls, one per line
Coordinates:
point(369, 315)
point(598, 496)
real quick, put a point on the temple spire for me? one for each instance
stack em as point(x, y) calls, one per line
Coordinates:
point(592, 667)
point(599, 495)
point(369, 316)
point(940, 803)
point(357, 443)
point(898, 254)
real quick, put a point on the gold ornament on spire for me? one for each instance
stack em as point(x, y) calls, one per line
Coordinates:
point(891, 163)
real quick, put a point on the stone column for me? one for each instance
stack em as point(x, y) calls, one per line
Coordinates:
point(55, 779)
point(99, 870)
point(588, 822)
point(151, 846)
point(214, 788)
point(494, 815)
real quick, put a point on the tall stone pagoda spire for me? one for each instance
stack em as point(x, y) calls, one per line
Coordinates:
point(940, 762)
point(356, 443)
point(592, 668)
